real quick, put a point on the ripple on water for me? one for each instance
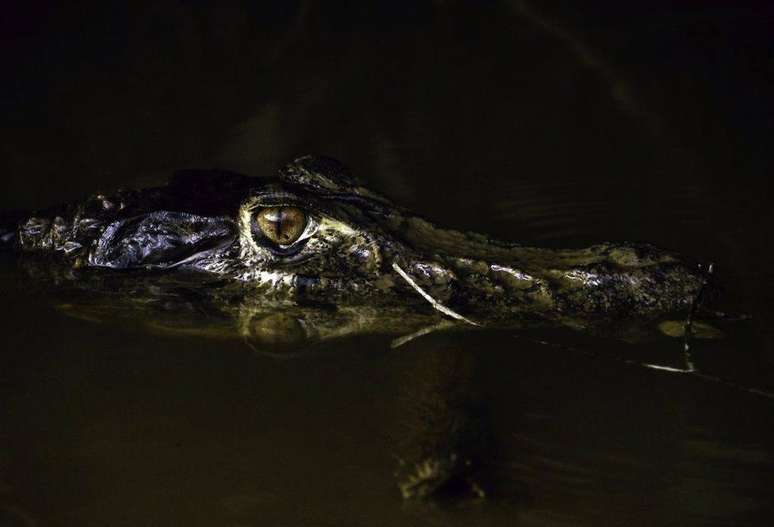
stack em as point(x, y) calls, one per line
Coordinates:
point(579, 208)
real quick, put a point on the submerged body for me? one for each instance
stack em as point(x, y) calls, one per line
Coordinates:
point(314, 236)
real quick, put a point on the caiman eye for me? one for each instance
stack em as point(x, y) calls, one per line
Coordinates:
point(281, 225)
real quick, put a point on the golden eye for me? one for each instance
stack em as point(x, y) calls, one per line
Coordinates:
point(281, 225)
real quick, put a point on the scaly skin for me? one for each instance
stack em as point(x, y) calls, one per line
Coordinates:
point(202, 221)
point(354, 240)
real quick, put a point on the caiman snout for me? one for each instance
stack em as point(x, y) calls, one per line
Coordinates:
point(606, 280)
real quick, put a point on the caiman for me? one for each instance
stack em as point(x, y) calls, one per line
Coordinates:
point(314, 253)
point(311, 255)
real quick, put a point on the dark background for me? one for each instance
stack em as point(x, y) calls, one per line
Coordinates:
point(98, 94)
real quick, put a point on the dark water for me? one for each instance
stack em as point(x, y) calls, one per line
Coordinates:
point(531, 122)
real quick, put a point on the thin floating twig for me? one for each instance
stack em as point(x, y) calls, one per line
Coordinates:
point(435, 303)
point(400, 341)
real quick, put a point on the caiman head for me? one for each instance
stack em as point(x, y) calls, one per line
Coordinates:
point(314, 236)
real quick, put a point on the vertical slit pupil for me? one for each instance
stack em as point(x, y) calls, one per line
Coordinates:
point(282, 225)
point(278, 223)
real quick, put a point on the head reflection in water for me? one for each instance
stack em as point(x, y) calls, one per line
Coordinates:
point(311, 254)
